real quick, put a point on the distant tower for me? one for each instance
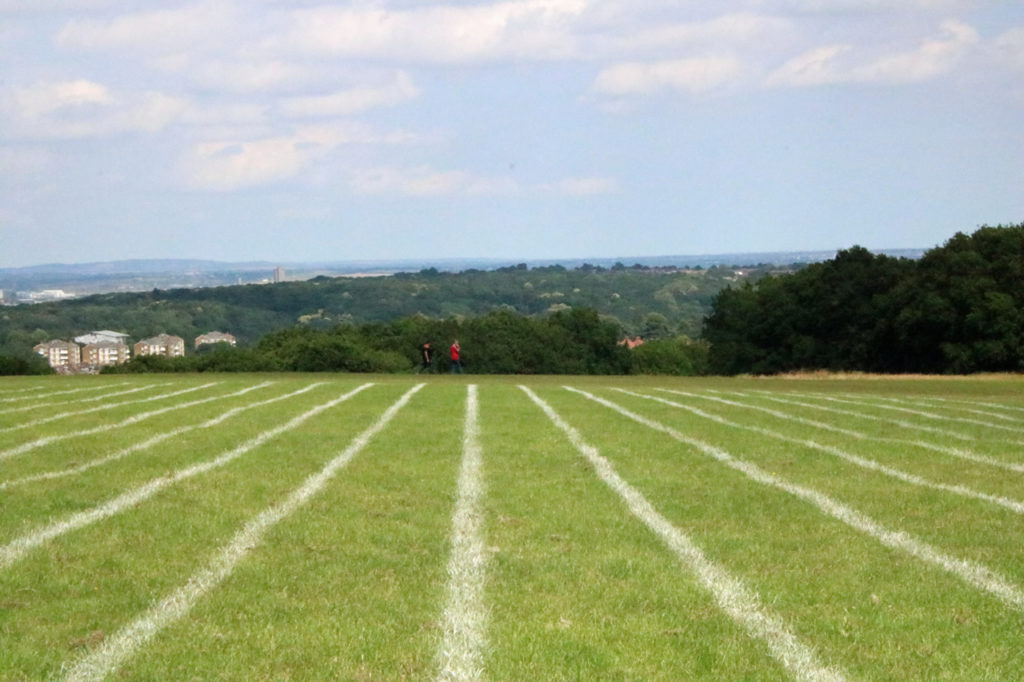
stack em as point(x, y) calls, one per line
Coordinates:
point(278, 274)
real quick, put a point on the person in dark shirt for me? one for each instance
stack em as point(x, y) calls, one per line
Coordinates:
point(426, 356)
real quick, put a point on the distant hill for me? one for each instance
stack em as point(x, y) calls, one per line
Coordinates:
point(147, 274)
point(648, 300)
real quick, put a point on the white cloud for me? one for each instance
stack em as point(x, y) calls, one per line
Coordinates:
point(227, 166)
point(815, 67)
point(585, 187)
point(732, 30)
point(231, 115)
point(37, 6)
point(33, 101)
point(401, 88)
point(235, 74)
point(694, 75)
point(155, 31)
point(231, 164)
point(1009, 49)
point(855, 7)
point(932, 58)
point(532, 29)
point(83, 108)
point(423, 181)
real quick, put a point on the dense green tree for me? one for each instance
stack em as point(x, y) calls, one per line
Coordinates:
point(960, 308)
point(29, 365)
point(963, 308)
point(575, 341)
point(675, 356)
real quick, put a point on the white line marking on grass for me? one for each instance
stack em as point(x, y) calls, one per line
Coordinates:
point(465, 616)
point(103, 661)
point(22, 390)
point(43, 406)
point(17, 548)
point(862, 415)
point(998, 406)
point(775, 413)
point(912, 479)
point(972, 573)
point(56, 393)
point(962, 454)
point(955, 405)
point(134, 419)
point(918, 413)
point(159, 438)
point(954, 452)
point(99, 408)
point(731, 594)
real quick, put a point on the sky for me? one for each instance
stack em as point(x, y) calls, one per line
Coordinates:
point(310, 130)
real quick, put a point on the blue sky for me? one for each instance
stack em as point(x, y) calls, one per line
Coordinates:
point(298, 130)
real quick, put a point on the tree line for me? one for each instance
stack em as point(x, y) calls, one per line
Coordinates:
point(575, 341)
point(959, 309)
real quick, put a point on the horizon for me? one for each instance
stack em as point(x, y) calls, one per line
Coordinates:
point(625, 260)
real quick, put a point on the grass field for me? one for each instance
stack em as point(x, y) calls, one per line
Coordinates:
point(309, 527)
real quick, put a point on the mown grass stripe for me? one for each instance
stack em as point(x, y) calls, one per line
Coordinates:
point(16, 549)
point(970, 572)
point(731, 594)
point(959, 453)
point(103, 661)
point(110, 406)
point(134, 419)
point(465, 615)
point(159, 438)
point(863, 462)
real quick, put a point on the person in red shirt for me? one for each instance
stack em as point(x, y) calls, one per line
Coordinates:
point(456, 358)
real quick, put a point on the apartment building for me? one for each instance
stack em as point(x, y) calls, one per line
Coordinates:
point(161, 344)
point(105, 353)
point(60, 354)
point(215, 337)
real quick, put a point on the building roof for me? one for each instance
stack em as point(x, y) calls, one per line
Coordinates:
point(105, 344)
point(161, 339)
point(102, 335)
point(212, 336)
point(57, 343)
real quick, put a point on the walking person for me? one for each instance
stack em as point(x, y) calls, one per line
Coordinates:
point(426, 356)
point(456, 367)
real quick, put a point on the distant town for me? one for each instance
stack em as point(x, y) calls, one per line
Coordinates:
point(84, 285)
point(89, 353)
point(58, 282)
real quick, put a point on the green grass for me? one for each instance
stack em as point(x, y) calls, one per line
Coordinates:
point(352, 584)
